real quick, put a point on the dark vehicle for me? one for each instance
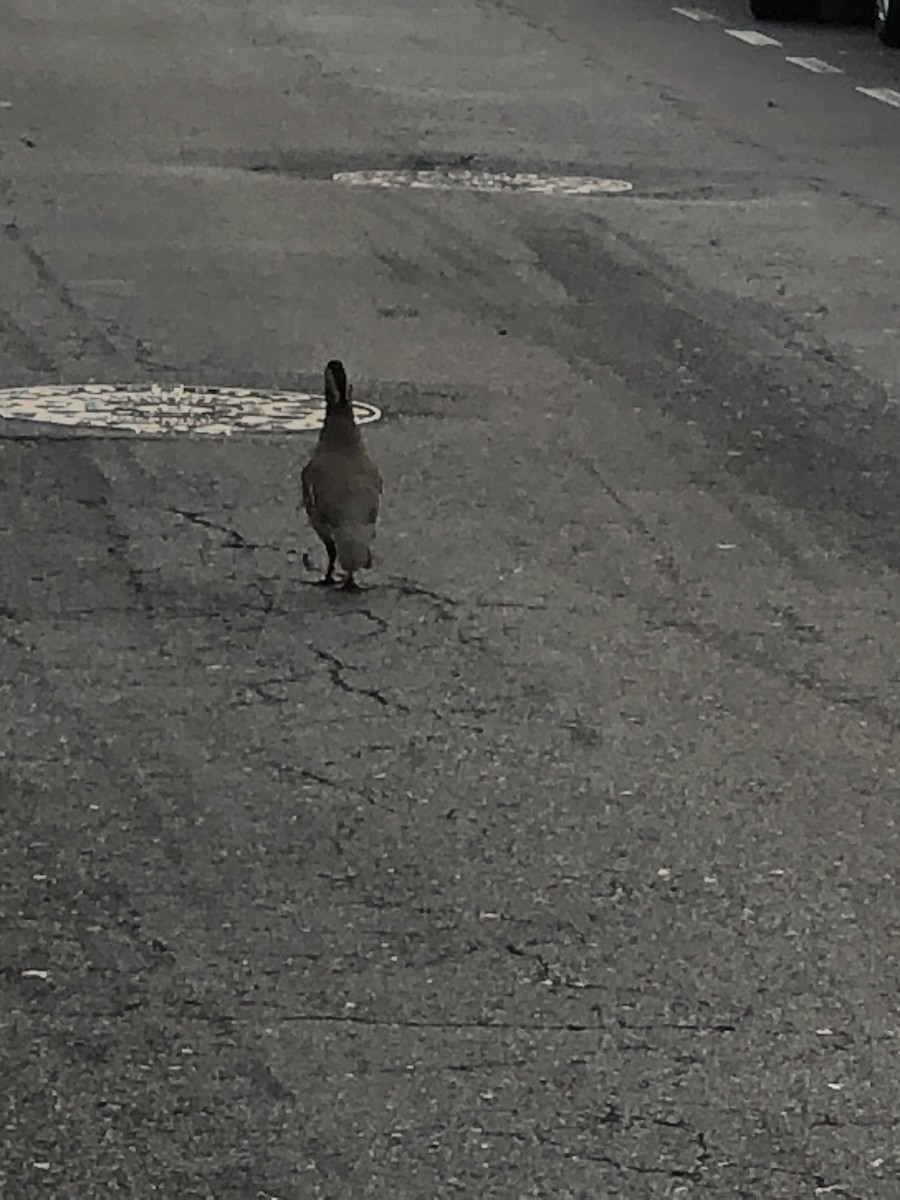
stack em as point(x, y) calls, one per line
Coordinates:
point(887, 21)
point(885, 12)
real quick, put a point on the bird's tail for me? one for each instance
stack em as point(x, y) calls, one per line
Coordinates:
point(354, 548)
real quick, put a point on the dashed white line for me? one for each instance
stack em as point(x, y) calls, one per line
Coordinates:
point(816, 65)
point(885, 95)
point(694, 14)
point(752, 37)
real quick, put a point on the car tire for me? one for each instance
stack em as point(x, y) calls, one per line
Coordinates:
point(787, 10)
point(887, 21)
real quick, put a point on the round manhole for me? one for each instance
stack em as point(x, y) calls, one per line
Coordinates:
point(139, 408)
point(481, 181)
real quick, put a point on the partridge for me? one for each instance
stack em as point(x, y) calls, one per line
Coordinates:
point(341, 484)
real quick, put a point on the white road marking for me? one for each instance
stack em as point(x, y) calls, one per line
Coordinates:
point(752, 37)
point(151, 409)
point(694, 14)
point(885, 95)
point(486, 181)
point(816, 65)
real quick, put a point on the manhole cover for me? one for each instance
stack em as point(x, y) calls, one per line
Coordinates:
point(137, 408)
point(480, 181)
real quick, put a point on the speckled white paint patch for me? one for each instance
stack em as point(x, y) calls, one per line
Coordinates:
point(152, 410)
point(481, 181)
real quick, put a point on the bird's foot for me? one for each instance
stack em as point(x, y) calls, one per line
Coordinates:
point(350, 585)
point(328, 581)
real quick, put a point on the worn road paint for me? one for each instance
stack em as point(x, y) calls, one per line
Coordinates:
point(484, 181)
point(694, 14)
point(152, 410)
point(752, 37)
point(885, 95)
point(816, 65)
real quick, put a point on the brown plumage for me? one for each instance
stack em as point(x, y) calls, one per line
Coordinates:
point(341, 484)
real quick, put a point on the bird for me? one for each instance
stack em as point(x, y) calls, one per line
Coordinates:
point(341, 484)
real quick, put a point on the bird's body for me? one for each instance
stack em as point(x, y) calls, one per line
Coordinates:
point(341, 484)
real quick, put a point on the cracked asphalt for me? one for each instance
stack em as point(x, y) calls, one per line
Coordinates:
point(563, 861)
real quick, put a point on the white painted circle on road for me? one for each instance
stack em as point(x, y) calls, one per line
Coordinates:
point(153, 409)
point(483, 181)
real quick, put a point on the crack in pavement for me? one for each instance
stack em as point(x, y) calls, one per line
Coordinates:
point(698, 1139)
point(259, 686)
point(507, 1026)
point(234, 540)
point(516, 606)
point(336, 669)
point(556, 981)
point(381, 625)
point(462, 1068)
point(414, 1023)
point(407, 588)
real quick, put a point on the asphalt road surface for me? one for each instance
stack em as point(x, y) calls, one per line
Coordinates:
point(563, 862)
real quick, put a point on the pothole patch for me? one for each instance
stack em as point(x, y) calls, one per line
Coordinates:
point(485, 181)
point(153, 409)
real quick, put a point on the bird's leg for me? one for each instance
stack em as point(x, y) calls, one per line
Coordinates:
point(332, 555)
point(350, 584)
